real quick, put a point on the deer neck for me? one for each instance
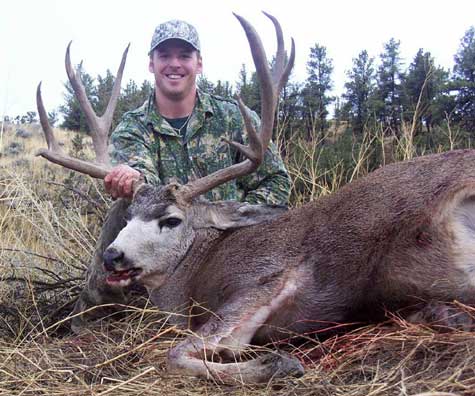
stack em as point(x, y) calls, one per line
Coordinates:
point(174, 295)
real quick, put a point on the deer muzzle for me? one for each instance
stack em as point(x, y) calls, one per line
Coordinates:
point(120, 273)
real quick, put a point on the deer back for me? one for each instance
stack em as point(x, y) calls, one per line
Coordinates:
point(399, 235)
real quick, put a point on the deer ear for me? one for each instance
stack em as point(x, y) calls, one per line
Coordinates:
point(141, 190)
point(226, 215)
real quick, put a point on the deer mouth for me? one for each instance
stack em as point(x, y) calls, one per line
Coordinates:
point(123, 278)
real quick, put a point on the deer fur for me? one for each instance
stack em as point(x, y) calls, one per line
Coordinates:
point(401, 235)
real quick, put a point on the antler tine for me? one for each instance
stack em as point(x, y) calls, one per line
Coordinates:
point(280, 54)
point(270, 89)
point(99, 126)
point(109, 113)
point(288, 68)
point(54, 152)
point(281, 70)
point(48, 131)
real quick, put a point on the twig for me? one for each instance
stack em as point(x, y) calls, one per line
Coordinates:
point(31, 254)
point(127, 382)
point(76, 191)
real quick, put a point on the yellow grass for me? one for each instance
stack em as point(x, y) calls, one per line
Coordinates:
point(48, 233)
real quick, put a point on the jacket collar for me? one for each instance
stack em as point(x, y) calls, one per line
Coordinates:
point(203, 109)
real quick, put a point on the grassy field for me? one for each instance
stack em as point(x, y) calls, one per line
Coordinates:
point(49, 220)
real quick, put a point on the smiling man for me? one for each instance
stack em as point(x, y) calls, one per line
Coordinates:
point(176, 135)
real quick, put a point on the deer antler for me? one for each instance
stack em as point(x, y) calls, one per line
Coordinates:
point(271, 83)
point(99, 126)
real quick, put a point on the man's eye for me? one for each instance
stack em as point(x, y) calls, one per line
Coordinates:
point(170, 222)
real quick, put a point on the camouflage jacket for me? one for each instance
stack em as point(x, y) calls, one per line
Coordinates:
point(147, 142)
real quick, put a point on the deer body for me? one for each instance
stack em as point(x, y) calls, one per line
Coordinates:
point(402, 235)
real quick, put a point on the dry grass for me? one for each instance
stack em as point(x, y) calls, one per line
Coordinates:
point(48, 234)
point(128, 358)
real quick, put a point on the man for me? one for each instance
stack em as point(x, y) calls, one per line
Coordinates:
point(176, 135)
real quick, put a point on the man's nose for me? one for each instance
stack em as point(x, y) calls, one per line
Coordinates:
point(174, 61)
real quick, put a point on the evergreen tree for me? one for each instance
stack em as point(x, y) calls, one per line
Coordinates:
point(31, 117)
point(249, 90)
point(204, 84)
point(290, 113)
point(387, 99)
point(315, 95)
point(359, 89)
point(223, 89)
point(103, 90)
point(464, 81)
point(424, 87)
point(52, 117)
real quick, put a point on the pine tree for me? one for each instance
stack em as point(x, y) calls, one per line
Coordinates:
point(315, 95)
point(424, 87)
point(131, 98)
point(464, 81)
point(103, 91)
point(290, 114)
point(359, 89)
point(249, 90)
point(388, 91)
point(204, 84)
point(223, 89)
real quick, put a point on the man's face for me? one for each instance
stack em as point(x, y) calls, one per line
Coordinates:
point(175, 65)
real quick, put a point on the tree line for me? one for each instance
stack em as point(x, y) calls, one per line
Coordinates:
point(378, 93)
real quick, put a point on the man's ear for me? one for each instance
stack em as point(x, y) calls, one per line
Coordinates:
point(200, 64)
point(150, 62)
point(225, 215)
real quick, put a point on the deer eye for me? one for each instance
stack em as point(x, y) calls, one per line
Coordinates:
point(170, 222)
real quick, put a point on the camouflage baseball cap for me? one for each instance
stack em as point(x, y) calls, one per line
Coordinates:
point(175, 29)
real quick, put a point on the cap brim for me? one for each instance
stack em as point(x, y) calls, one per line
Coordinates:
point(172, 38)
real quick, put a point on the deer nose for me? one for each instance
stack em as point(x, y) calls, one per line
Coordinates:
point(112, 257)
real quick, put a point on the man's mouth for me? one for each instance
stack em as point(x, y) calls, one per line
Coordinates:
point(174, 76)
point(123, 278)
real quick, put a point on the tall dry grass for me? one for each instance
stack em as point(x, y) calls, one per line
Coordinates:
point(49, 220)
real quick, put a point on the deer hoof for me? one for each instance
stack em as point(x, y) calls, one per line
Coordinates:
point(444, 316)
point(282, 365)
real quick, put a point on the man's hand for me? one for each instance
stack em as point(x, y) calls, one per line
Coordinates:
point(119, 182)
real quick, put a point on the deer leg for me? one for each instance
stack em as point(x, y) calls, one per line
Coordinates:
point(228, 332)
point(96, 290)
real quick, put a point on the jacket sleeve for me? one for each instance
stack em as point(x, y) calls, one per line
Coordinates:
point(270, 184)
point(133, 144)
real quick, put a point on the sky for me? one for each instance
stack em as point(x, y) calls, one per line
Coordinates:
point(34, 35)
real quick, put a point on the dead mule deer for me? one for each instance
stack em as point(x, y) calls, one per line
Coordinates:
point(403, 234)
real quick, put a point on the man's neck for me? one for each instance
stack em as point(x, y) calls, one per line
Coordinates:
point(170, 108)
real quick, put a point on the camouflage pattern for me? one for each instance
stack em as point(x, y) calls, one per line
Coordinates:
point(147, 142)
point(175, 29)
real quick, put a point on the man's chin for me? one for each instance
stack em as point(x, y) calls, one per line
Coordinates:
point(175, 91)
